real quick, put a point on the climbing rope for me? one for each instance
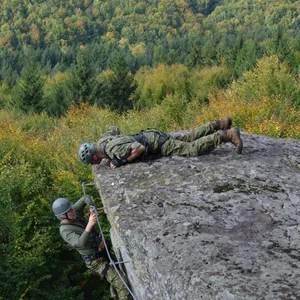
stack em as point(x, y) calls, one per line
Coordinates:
point(111, 262)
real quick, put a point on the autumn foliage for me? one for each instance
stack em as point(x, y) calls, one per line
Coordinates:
point(39, 162)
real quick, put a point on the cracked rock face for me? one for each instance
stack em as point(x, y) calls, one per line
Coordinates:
point(217, 226)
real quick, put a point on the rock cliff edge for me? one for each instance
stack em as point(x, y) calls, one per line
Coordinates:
point(217, 226)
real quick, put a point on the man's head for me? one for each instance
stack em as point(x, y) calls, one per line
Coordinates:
point(63, 209)
point(89, 154)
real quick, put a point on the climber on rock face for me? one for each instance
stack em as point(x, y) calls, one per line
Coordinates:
point(121, 150)
point(83, 237)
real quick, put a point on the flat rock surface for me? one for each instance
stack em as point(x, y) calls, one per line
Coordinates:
point(217, 226)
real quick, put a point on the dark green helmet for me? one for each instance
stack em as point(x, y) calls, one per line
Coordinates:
point(86, 152)
point(60, 206)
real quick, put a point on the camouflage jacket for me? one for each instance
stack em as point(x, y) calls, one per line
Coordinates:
point(112, 144)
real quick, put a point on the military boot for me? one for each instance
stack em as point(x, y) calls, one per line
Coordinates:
point(233, 136)
point(222, 124)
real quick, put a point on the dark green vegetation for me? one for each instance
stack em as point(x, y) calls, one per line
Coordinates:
point(68, 68)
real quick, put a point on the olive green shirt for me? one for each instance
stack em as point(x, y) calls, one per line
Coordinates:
point(75, 235)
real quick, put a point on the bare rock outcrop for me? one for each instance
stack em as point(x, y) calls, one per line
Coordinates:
point(218, 226)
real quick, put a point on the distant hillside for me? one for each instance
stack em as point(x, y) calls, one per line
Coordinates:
point(149, 32)
point(68, 23)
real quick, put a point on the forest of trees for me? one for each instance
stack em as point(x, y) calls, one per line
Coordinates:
point(83, 51)
point(69, 69)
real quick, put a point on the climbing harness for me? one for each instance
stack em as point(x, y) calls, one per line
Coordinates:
point(92, 256)
point(142, 139)
point(163, 137)
point(111, 262)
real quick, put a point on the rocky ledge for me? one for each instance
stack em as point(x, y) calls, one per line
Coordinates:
point(218, 226)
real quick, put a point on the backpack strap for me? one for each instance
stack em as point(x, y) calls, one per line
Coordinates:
point(102, 147)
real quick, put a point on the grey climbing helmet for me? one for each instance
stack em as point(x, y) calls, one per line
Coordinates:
point(61, 205)
point(86, 152)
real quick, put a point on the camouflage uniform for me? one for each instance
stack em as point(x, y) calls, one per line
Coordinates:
point(115, 144)
point(193, 142)
point(87, 243)
point(117, 288)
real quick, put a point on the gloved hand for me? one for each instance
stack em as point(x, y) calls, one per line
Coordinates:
point(88, 200)
point(118, 162)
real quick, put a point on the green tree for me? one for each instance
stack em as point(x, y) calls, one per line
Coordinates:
point(115, 86)
point(56, 101)
point(194, 58)
point(208, 51)
point(156, 83)
point(82, 81)
point(29, 91)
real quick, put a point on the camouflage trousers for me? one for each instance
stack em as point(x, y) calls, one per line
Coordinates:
point(193, 142)
point(117, 288)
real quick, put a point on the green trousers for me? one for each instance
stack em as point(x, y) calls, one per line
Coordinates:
point(193, 142)
point(117, 288)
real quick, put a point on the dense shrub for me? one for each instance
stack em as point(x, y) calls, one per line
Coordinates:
point(263, 101)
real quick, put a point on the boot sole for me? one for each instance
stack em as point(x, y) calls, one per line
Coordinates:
point(239, 149)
